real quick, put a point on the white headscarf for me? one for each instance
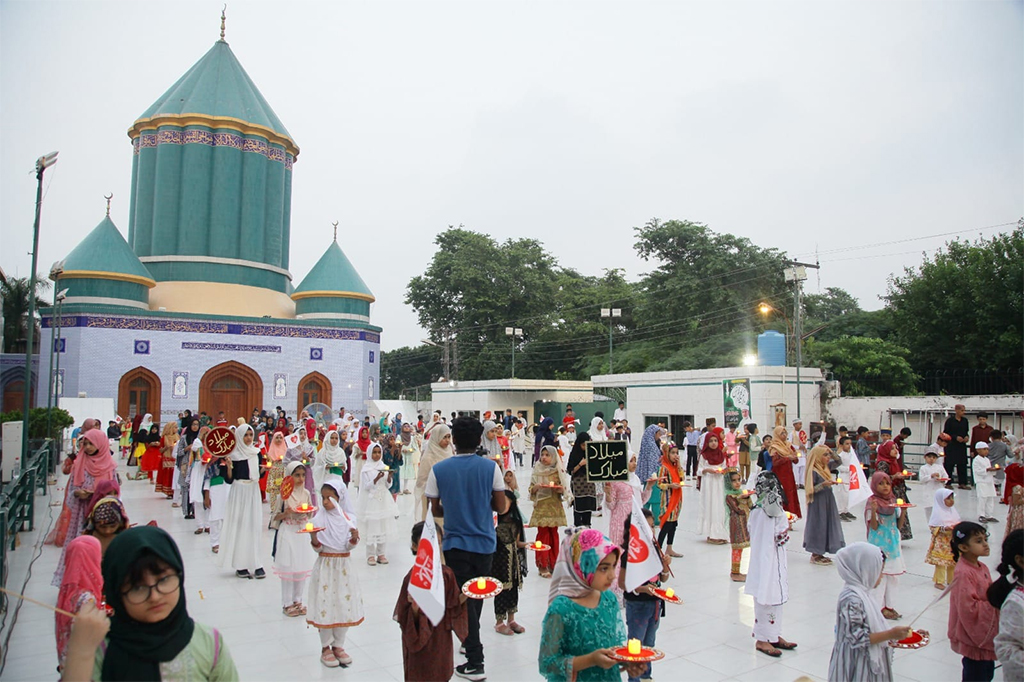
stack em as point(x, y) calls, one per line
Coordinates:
point(243, 451)
point(941, 514)
point(337, 523)
point(299, 494)
point(492, 447)
point(434, 452)
point(147, 422)
point(597, 434)
point(859, 565)
point(329, 456)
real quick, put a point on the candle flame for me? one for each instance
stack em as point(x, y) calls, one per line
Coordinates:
point(309, 527)
point(633, 646)
point(670, 593)
point(481, 584)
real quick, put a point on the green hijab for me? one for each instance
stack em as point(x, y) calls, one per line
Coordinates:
point(729, 490)
point(135, 650)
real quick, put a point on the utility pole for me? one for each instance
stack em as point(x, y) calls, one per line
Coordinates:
point(797, 273)
point(610, 314)
point(514, 332)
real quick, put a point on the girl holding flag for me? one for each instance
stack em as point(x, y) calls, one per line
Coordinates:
point(644, 608)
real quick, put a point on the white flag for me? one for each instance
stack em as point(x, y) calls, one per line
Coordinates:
point(643, 562)
point(292, 441)
point(860, 489)
point(426, 583)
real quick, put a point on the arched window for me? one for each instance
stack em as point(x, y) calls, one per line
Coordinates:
point(314, 388)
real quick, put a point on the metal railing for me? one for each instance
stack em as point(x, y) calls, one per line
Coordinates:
point(17, 501)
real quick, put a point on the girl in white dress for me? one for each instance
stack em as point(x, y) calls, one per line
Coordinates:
point(331, 460)
point(243, 520)
point(293, 556)
point(335, 602)
point(377, 508)
point(712, 519)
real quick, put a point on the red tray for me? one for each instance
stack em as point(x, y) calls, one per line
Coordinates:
point(674, 599)
point(646, 655)
point(315, 530)
point(918, 639)
point(311, 510)
point(542, 548)
point(492, 589)
point(905, 505)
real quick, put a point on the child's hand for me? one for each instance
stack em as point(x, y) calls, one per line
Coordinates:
point(602, 659)
point(635, 669)
point(90, 626)
point(900, 632)
point(354, 536)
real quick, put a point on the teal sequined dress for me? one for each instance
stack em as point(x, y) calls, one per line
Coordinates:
point(572, 630)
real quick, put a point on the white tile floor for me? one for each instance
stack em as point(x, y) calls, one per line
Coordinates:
point(707, 638)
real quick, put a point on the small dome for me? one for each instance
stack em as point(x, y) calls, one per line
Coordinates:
point(104, 254)
point(333, 276)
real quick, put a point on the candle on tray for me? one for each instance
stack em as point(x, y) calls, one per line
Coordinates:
point(538, 544)
point(633, 647)
point(838, 480)
point(670, 593)
point(906, 473)
point(309, 527)
point(481, 584)
point(899, 500)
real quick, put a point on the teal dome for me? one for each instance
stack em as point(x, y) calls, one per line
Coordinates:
point(333, 289)
point(217, 85)
point(104, 270)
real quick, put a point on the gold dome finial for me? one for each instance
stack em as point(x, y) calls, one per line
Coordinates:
point(335, 230)
point(223, 18)
point(108, 197)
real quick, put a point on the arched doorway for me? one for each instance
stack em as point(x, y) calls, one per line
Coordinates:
point(314, 388)
point(138, 392)
point(12, 385)
point(231, 388)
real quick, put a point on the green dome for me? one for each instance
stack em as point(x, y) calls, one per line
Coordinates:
point(333, 276)
point(217, 85)
point(104, 251)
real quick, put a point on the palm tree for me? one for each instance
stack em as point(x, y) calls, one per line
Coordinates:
point(15, 293)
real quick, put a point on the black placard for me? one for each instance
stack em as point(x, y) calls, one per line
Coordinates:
point(607, 461)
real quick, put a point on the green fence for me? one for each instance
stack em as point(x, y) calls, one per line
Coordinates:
point(17, 503)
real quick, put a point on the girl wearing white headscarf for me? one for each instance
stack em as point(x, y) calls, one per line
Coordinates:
point(335, 602)
point(861, 652)
point(940, 552)
point(377, 509)
point(768, 575)
point(240, 544)
point(330, 460)
point(489, 443)
point(439, 448)
point(293, 556)
point(598, 433)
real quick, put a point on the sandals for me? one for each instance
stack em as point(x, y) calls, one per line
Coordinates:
point(381, 559)
point(738, 577)
point(516, 627)
point(198, 531)
point(784, 645)
point(891, 614)
point(371, 560)
point(821, 561)
point(293, 611)
point(503, 629)
point(772, 651)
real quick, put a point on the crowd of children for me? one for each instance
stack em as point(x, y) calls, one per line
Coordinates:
point(590, 611)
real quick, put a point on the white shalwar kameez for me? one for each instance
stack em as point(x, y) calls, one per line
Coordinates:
point(243, 521)
point(768, 577)
point(712, 519)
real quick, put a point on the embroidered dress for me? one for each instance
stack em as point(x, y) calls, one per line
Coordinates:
point(739, 515)
point(206, 657)
point(887, 537)
point(508, 569)
point(76, 521)
point(274, 479)
point(711, 520)
point(333, 600)
point(1015, 514)
point(571, 630)
point(940, 550)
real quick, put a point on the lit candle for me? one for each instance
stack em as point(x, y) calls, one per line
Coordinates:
point(481, 584)
point(996, 466)
point(309, 527)
point(899, 500)
point(838, 480)
point(538, 544)
point(670, 593)
point(633, 646)
point(906, 473)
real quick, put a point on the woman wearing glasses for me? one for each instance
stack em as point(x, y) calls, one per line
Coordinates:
point(150, 635)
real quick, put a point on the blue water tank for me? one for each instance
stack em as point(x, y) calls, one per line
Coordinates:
point(771, 349)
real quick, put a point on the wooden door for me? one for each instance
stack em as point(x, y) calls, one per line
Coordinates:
point(228, 395)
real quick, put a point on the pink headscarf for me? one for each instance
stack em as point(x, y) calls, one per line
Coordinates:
point(100, 466)
point(82, 573)
point(106, 488)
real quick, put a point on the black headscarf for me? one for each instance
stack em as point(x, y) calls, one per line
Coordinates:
point(186, 419)
point(136, 649)
point(578, 453)
point(190, 435)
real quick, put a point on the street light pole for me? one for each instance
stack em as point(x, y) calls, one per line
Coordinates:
point(610, 313)
point(42, 163)
point(513, 332)
point(797, 273)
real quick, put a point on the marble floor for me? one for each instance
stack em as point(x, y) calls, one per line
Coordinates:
point(706, 638)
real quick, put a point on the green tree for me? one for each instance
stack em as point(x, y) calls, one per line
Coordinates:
point(963, 308)
point(832, 304)
point(15, 292)
point(406, 368)
point(864, 366)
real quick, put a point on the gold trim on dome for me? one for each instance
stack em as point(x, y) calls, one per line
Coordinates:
point(96, 274)
point(333, 294)
point(216, 123)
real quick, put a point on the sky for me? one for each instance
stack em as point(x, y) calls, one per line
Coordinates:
point(856, 131)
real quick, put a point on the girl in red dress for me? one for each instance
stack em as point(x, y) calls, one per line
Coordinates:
point(150, 462)
point(784, 456)
point(165, 474)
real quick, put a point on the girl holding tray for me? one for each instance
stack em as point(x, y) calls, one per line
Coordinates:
point(548, 512)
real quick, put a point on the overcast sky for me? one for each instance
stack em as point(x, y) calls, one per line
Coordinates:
point(801, 126)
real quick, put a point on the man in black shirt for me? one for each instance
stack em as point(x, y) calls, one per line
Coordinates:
point(956, 451)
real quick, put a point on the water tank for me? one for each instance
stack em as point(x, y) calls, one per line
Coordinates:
point(771, 349)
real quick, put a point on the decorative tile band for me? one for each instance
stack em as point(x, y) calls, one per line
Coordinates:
point(202, 327)
point(213, 139)
point(240, 347)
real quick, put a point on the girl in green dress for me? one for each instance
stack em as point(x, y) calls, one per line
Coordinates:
point(150, 636)
point(583, 622)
